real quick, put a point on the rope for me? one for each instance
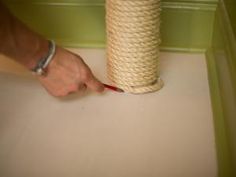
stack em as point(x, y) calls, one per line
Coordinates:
point(133, 39)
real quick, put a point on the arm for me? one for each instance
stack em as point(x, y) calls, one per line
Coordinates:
point(18, 41)
point(66, 73)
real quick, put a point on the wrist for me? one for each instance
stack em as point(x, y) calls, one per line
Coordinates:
point(40, 51)
point(41, 66)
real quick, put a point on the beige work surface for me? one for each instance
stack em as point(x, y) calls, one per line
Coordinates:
point(164, 134)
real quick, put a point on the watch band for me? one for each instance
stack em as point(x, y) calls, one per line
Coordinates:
point(42, 64)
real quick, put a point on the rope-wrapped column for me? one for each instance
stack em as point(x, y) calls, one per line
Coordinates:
point(133, 38)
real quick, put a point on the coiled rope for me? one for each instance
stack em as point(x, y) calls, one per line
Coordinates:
point(133, 39)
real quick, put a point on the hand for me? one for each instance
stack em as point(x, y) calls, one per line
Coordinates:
point(67, 73)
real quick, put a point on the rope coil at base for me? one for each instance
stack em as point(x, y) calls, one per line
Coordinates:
point(133, 39)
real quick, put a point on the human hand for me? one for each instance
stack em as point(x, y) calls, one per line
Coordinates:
point(67, 73)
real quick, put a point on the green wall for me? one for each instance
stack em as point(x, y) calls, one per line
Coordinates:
point(231, 9)
point(100, 1)
point(186, 25)
point(221, 59)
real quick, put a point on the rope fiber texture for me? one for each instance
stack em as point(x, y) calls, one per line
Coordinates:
point(133, 39)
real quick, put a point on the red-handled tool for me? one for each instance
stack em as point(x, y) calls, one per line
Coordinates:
point(113, 88)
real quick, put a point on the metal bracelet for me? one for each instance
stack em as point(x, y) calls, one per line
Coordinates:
point(44, 62)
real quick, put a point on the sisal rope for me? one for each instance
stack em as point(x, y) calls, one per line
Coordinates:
point(133, 38)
